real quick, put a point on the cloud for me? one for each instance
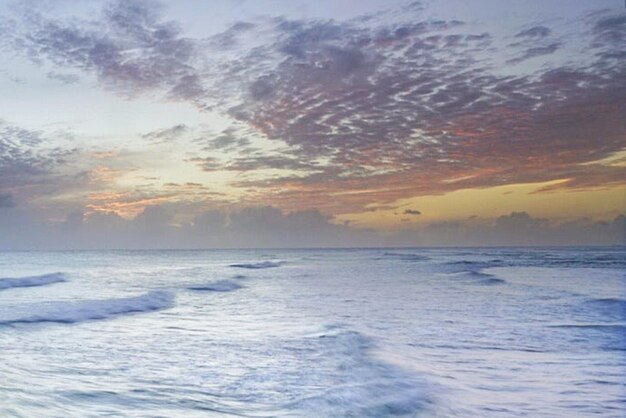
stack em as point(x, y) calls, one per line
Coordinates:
point(26, 157)
point(228, 139)
point(371, 109)
point(167, 134)
point(412, 212)
point(63, 78)
point(128, 48)
point(534, 32)
point(6, 200)
point(611, 28)
point(516, 229)
point(382, 106)
point(43, 168)
point(216, 228)
point(609, 32)
point(536, 51)
point(269, 227)
point(253, 163)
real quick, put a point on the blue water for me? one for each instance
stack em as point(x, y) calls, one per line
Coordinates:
point(314, 333)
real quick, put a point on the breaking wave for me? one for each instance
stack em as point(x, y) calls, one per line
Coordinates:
point(31, 281)
point(84, 310)
point(473, 270)
point(259, 265)
point(219, 286)
point(361, 384)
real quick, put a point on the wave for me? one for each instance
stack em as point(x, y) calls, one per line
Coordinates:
point(609, 302)
point(611, 261)
point(480, 277)
point(219, 286)
point(485, 278)
point(31, 281)
point(492, 281)
point(358, 384)
point(463, 265)
point(404, 256)
point(465, 262)
point(259, 265)
point(477, 274)
point(472, 347)
point(600, 327)
point(84, 310)
point(603, 309)
point(613, 307)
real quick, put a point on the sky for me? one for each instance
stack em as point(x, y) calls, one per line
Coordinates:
point(235, 123)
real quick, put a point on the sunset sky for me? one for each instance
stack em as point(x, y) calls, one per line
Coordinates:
point(140, 124)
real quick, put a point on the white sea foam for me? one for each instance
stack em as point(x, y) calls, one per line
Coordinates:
point(364, 386)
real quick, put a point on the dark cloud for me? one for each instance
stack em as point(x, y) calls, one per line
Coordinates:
point(153, 224)
point(230, 37)
point(6, 200)
point(609, 31)
point(261, 88)
point(534, 32)
point(229, 139)
point(128, 48)
point(612, 28)
point(412, 212)
point(167, 134)
point(25, 156)
point(536, 52)
point(253, 163)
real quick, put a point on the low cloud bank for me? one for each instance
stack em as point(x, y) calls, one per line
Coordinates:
point(257, 227)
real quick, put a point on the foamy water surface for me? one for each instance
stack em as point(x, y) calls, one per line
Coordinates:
point(314, 333)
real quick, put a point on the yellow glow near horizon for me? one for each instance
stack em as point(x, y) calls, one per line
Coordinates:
point(600, 204)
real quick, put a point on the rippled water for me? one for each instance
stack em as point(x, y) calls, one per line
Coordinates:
point(320, 333)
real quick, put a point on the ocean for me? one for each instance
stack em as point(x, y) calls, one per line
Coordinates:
point(508, 332)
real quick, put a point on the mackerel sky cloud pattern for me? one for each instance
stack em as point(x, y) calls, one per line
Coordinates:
point(372, 108)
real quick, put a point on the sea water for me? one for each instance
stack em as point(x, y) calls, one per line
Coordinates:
point(314, 333)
